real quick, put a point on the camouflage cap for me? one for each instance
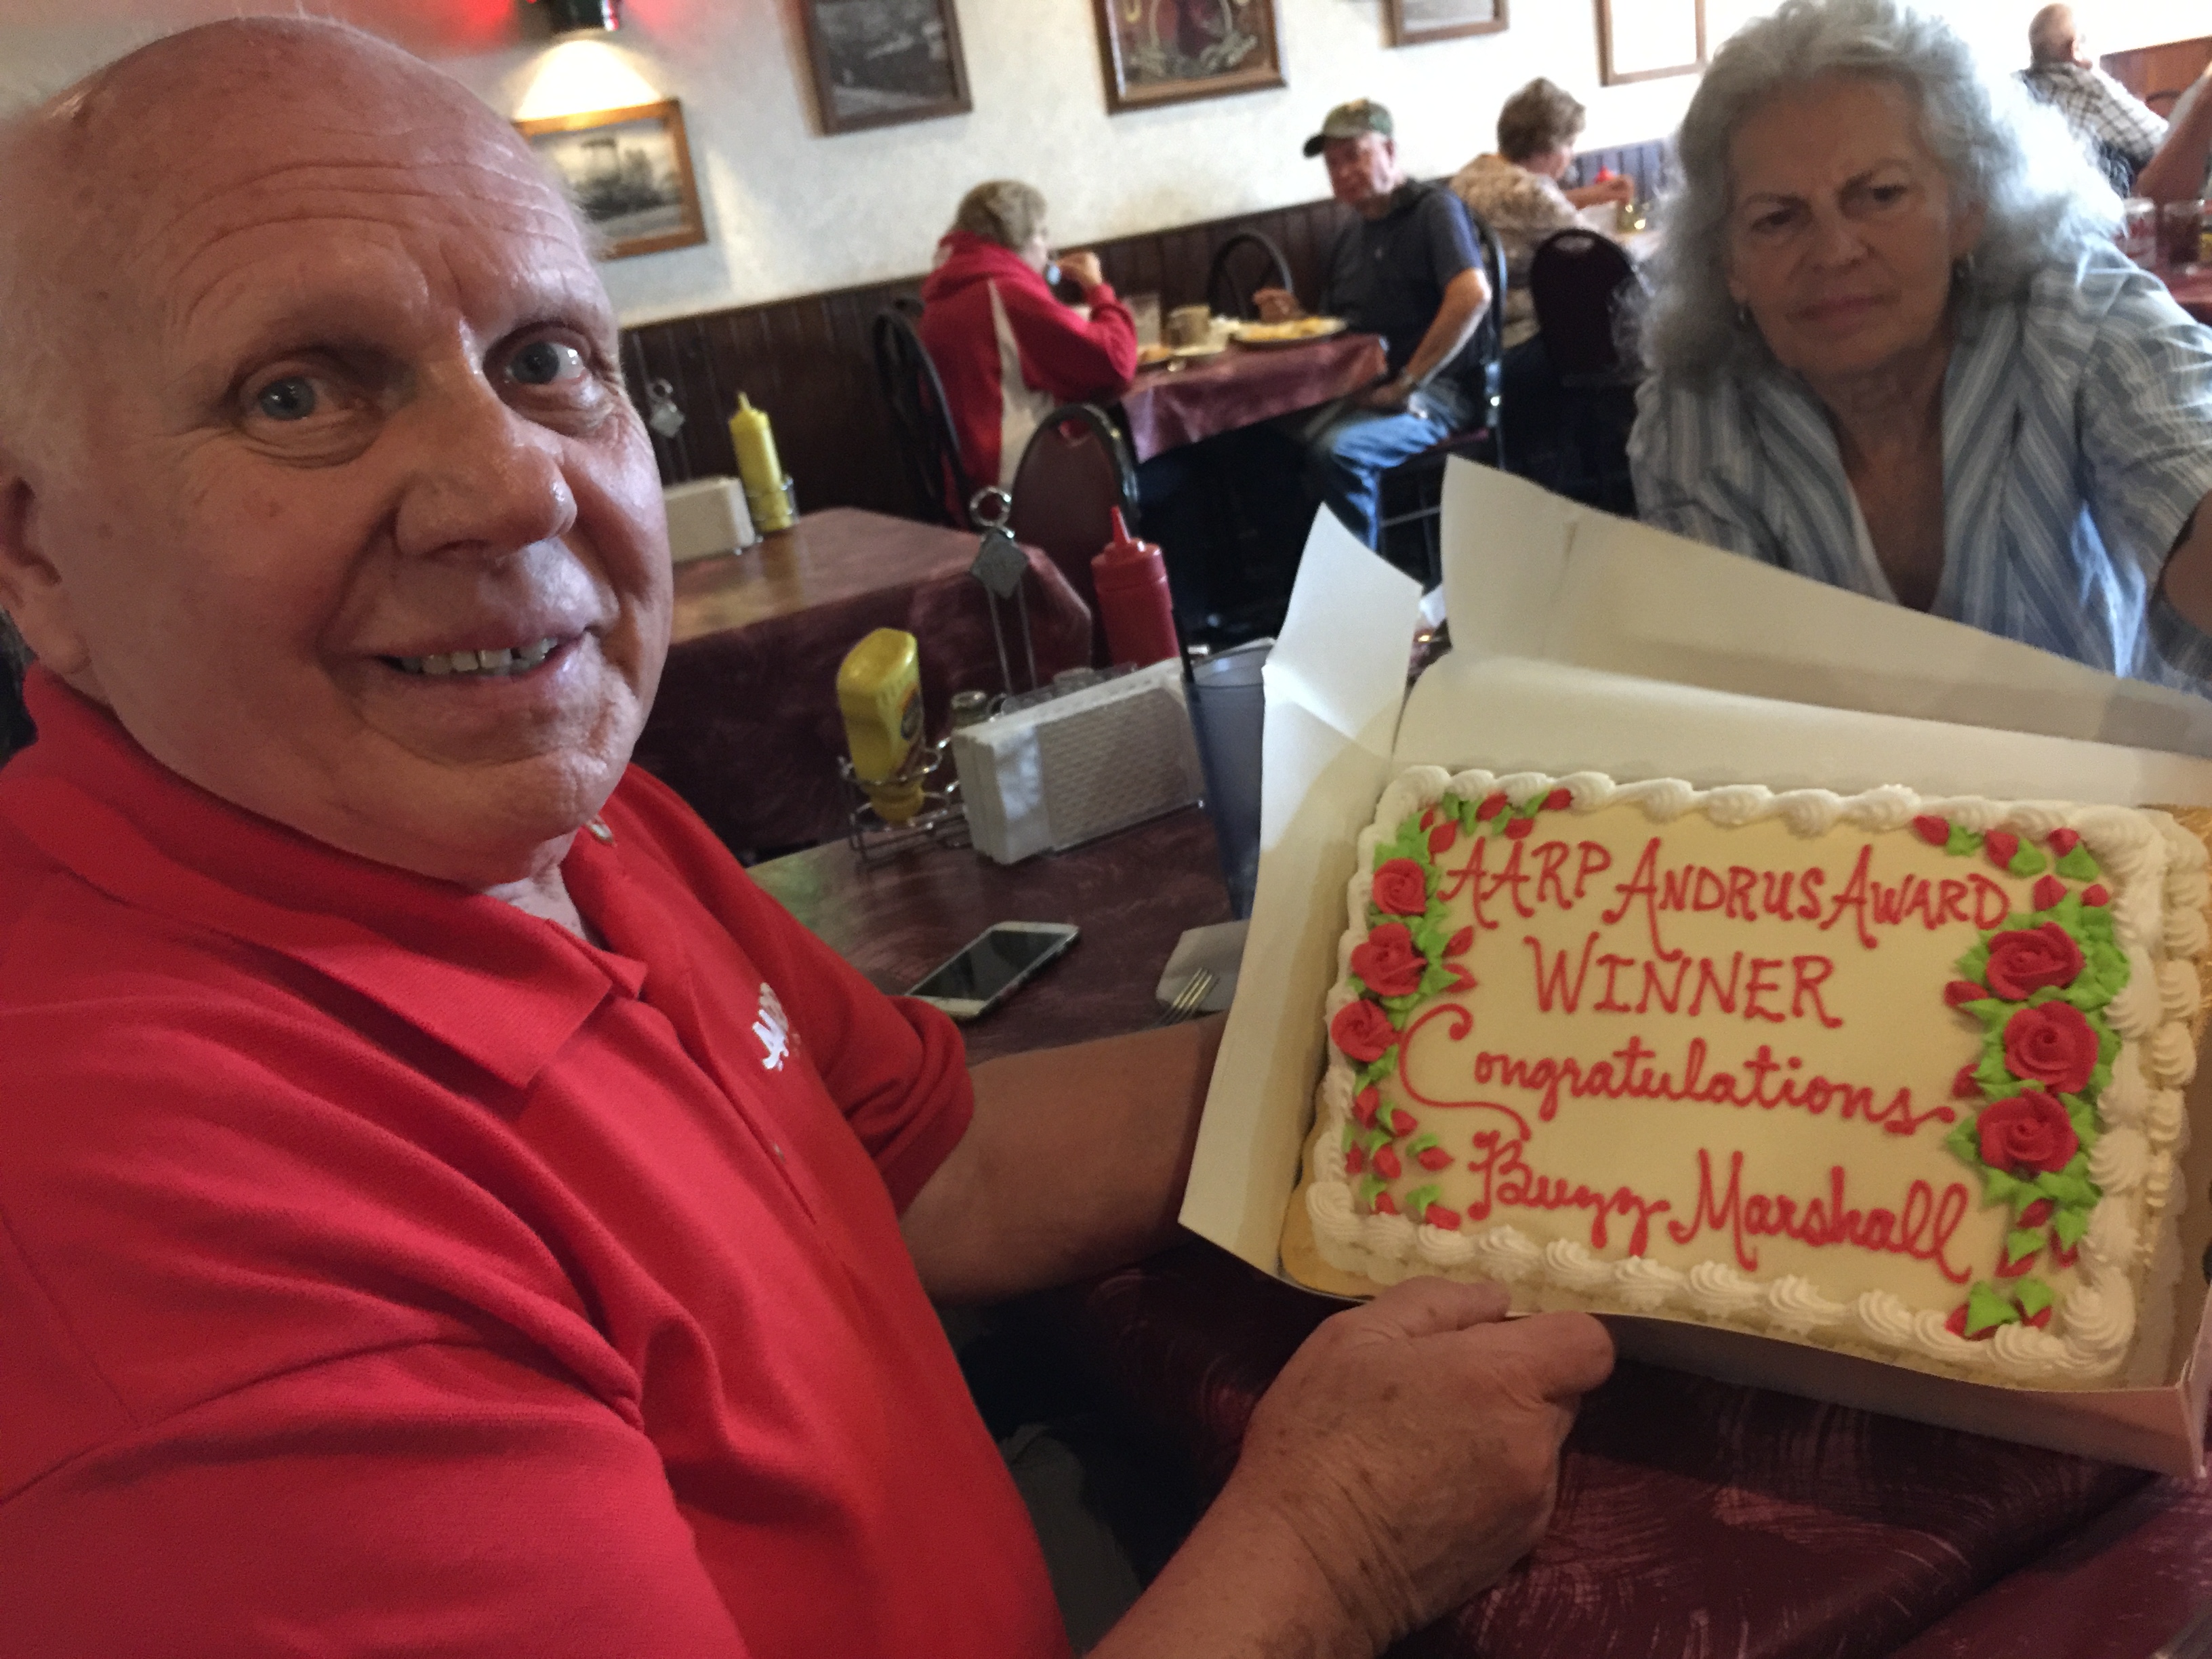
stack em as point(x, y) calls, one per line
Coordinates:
point(1349, 121)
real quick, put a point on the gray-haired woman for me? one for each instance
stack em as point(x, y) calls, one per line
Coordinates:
point(1895, 350)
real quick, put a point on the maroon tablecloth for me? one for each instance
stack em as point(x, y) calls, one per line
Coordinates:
point(2193, 289)
point(1695, 1517)
point(1207, 396)
point(746, 728)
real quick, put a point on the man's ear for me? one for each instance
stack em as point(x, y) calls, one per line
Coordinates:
point(31, 589)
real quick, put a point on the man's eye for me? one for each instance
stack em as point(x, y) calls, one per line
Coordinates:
point(545, 362)
point(292, 398)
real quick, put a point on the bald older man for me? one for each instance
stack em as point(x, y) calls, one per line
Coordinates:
point(444, 1206)
point(2118, 131)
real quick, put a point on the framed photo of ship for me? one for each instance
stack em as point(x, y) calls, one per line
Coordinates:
point(1415, 21)
point(1170, 52)
point(877, 62)
point(630, 170)
point(1645, 40)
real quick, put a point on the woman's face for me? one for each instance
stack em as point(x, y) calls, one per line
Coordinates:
point(1552, 163)
point(1036, 252)
point(1843, 228)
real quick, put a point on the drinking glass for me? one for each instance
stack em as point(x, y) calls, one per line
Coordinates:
point(2139, 231)
point(2180, 226)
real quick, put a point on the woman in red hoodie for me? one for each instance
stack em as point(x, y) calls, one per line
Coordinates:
point(1007, 350)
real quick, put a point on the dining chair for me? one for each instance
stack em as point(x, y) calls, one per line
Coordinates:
point(1074, 472)
point(1579, 282)
point(1417, 484)
point(1242, 265)
point(921, 421)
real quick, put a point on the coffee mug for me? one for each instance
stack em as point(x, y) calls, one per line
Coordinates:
point(1190, 325)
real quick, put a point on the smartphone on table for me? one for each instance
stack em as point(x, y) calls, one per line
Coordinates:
point(993, 966)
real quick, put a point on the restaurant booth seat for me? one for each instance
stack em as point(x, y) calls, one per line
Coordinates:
point(929, 450)
point(1074, 472)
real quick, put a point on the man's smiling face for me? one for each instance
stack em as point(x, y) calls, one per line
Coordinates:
point(340, 506)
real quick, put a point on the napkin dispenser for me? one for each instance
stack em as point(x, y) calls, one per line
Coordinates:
point(1080, 765)
point(708, 516)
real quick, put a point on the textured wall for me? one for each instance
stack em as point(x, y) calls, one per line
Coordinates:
point(790, 211)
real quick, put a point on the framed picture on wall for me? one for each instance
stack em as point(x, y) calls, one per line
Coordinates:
point(630, 170)
point(1644, 40)
point(1168, 51)
point(1413, 21)
point(877, 62)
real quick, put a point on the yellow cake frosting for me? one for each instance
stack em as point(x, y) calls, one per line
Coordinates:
point(1896, 1073)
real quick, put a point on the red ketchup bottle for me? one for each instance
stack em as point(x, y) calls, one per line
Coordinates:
point(1134, 601)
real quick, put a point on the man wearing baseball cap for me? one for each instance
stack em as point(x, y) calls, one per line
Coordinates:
point(1407, 268)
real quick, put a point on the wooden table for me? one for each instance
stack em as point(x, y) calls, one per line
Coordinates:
point(1200, 397)
point(1694, 1517)
point(745, 727)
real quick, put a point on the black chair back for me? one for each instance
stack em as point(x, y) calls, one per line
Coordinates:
point(1576, 280)
point(1074, 472)
point(922, 421)
point(1242, 265)
point(1488, 345)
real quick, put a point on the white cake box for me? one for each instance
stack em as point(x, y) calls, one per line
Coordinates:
point(1723, 670)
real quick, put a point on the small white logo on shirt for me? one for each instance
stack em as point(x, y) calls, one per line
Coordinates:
point(773, 1029)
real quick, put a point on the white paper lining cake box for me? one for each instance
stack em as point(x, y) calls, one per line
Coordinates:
point(1541, 590)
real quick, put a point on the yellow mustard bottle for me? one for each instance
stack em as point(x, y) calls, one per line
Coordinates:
point(758, 466)
point(879, 694)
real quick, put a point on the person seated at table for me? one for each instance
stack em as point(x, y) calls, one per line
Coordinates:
point(1517, 192)
point(2117, 129)
point(1007, 350)
point(1405, 267)
point(448, 1208)
point(1895, 349)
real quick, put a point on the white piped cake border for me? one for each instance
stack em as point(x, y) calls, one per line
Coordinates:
point(2161, 889)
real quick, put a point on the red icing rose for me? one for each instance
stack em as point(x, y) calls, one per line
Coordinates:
point(1960, 992)
point(2051, 1044)
point(1439, 1216)
point(1442, 837)
point(2029, 1131)
point(1388, 962)
point(1364, 1102)
point(1355, 1160)
point(1385, 1205)
point(2048, 889)
point(1401, 889)
point(1559, 800)
point(1363, 1030)
point(2063, 842)
point(2036, 1320)
point(1963, 1086)
point(2095, 894)
point(2025, 959)
point(1520, 829)
point(1435, 1157)
point(2037, 1213)
point(1402, 1121)
point(2014, 1269)
point(1491, 807)
point(1936, 831)
point(1460, 942)
point(2002, 846)
point(1386, 1164)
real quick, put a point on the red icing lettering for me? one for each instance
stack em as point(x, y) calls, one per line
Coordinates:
point(1644, 883)
point(1808, 984)
point(1549, 857)
point(1741, 881)
point(1552, 987)
point(1923, 1234)
point(1759, 985)
point(1596, 860)
point(1707, 977)
point(1668, 999)
point(1503, 1177)
point(1854, 899)
point(1775, 901)
point(1613, 965)
point(1992, 904)
point(1951, 901)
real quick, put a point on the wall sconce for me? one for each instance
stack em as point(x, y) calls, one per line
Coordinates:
point(582, 16)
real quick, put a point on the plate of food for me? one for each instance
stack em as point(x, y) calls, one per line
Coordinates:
point(1151, 356)
point(1299, 331)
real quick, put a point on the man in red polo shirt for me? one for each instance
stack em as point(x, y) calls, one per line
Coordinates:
point(444, 1206)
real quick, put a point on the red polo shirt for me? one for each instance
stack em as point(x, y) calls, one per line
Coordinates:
point(385, 1270)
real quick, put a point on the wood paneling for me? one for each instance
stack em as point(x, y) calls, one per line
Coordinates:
point(808, 362)
point(2157, 74)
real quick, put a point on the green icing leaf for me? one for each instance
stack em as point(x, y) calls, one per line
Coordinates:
point(1998, 1187)
point(1963, 841)
point(2028, 861)
point(1975, 962)
point(1428, 938)
point(1434, 978)
point(1351, 1135)
point(1375, 1139)
point(2066, 1189)
point(1359, 985)
point(2035, 1296)
point(1418, 1202)
point(1368, 1188)
point(1986, 1309)
point(2022, 1242)
point(2078, 866)
point(1965, 1142)
point(1378, 1068)
point(1420, 1143)
point(2068, 1225)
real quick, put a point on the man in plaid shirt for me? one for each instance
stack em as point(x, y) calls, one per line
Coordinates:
point(2119, 132)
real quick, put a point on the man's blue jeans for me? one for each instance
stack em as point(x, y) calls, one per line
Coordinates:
point(1348, 449)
